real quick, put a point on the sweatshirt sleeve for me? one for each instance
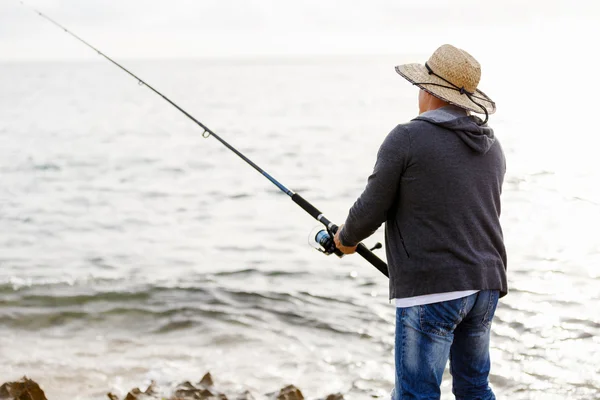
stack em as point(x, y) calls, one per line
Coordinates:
point(371, 208)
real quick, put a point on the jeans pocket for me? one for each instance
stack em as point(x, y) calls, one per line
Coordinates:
point(493, 296)
point(442, 318)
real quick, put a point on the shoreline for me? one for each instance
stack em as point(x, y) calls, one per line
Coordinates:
point(205, 389)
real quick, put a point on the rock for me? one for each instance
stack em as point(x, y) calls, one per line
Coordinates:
point(187, 385)
point(151, 389)
point(290, 392)
point(207, 380)
point(195, 394)
point(137, 394)
point(204, 390)
point(133, 394)
point(245, 396)
point(337, 396)
point(25, 389)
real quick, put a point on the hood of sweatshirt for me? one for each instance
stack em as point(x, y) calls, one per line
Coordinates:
point(479, 138)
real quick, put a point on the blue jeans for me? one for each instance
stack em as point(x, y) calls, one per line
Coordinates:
point(427, 335)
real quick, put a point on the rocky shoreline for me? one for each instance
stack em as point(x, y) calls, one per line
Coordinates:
point(26, 389)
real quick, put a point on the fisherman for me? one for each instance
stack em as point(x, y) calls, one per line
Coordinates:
point(436, 184)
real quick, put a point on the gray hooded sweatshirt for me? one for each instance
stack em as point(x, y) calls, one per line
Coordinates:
point(436, 184)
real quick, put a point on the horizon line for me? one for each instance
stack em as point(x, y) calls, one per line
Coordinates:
point(216, 57)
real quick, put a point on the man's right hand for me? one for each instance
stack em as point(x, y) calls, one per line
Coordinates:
point(340, 246)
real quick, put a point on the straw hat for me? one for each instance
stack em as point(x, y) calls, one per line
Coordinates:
point(451, 74)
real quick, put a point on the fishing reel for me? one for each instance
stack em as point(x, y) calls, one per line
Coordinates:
point(322, 240)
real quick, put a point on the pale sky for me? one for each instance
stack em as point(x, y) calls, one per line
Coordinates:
point(207, 28)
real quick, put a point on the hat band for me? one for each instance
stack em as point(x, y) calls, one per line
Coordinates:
point(459, 89)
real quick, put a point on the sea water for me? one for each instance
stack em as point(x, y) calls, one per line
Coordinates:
point(132, 249)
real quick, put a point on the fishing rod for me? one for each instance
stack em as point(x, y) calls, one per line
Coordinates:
point(323, 238)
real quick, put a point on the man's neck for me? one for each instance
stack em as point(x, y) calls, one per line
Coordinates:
point(436, 103)
point(433, 104)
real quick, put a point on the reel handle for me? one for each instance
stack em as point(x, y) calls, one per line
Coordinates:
point(377, 246)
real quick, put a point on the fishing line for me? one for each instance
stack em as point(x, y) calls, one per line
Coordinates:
point(323, 238)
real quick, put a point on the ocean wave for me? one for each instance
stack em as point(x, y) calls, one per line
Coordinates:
point(163, 309)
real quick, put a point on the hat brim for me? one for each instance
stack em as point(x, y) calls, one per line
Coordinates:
point(418, 75)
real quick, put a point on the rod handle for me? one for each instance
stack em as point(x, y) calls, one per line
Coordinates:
point(373, 259)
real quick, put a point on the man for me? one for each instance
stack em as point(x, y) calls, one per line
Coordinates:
point(437, 184)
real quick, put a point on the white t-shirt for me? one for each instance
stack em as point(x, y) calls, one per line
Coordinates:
point(432, 298)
